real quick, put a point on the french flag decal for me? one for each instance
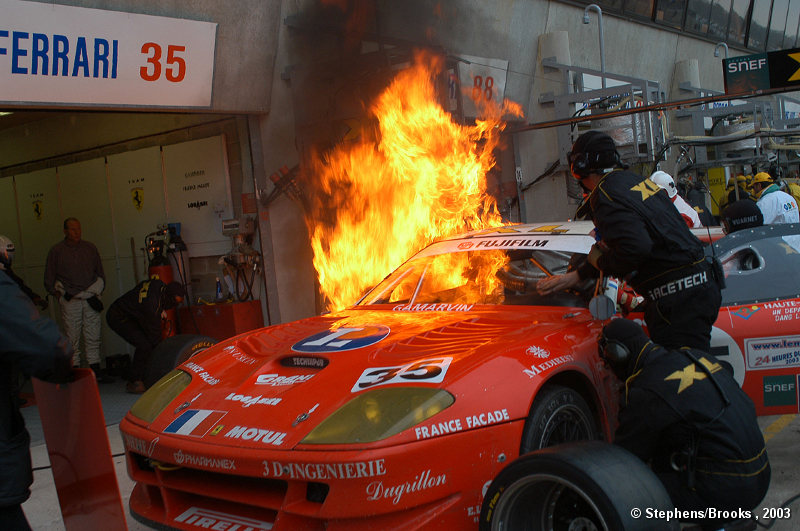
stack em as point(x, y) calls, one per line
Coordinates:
point(195, 422)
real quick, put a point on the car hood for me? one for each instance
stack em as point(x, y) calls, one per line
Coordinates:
point(274, 385)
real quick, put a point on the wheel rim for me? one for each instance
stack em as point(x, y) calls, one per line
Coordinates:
point(567, 424)
point(548, 503)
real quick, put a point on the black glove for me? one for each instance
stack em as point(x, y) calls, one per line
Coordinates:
point(95, 303)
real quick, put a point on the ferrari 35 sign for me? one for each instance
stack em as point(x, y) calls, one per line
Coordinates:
point(56, 54)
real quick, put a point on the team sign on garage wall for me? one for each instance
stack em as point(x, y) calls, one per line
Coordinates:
point(51, 54)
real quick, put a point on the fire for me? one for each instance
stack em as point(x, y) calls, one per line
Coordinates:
point(379, 201)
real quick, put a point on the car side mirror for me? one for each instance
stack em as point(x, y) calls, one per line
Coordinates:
point(602, 307)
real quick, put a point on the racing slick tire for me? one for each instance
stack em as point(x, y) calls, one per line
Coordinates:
point(584, 486)
point(558, 415)
point(171, 352)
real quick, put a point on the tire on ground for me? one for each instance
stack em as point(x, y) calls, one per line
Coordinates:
point(583, 485)
point(173, 351)
point(558, 415)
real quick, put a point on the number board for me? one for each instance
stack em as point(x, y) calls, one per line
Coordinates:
point(52, 53)
point(481, 79)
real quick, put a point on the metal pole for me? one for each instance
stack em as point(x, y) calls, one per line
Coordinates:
point(602, 44)
point(717, 47)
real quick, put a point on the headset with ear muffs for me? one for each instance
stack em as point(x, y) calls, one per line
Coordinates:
point(615, 352)
point(582, 164)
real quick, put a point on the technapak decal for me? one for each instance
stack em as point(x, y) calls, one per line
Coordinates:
point(248, 401)
point(536, 370)
point(455, 425)
point(274, 438)
point(772, 352)
point(342, 339)
point(305, 362)
point(325, 471)
point(424, 371)
point(208, 519)
point(195, 422)
point(424, 481)
point(218, 463)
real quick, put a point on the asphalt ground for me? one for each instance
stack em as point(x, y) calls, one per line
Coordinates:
point(781, 432)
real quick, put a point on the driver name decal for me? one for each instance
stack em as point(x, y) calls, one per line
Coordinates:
point(423, 371)
point(378, 491)
point(433, 307)
point(342, 339)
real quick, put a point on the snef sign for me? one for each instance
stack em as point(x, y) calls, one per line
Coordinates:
point(56, 54)
point(749, 73)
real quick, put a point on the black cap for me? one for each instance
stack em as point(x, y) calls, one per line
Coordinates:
point(742, 214)
point(593, 142)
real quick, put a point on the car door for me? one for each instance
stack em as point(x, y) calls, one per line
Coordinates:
point(758, 328)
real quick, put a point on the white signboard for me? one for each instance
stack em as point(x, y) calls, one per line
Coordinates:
point(52, 53)
point(481, 79)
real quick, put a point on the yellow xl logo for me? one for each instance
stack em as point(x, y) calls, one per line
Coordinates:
point(647, 188)
point(690, 373)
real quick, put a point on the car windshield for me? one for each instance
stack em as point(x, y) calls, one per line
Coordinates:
point(466, 273)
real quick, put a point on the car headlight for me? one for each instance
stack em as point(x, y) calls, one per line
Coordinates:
point(155, 399)
point(379, 414)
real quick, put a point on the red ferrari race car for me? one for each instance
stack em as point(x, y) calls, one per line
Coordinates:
point(398, 412)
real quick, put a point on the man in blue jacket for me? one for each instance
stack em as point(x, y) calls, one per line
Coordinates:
point(31, 345)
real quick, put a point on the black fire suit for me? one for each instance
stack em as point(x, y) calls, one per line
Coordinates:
point(31, 344)
point(687, 417)
point(136, 317)
point(645, 241)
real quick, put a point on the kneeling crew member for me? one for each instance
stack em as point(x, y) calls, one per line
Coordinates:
point(643, 240)
point(136, 318)
point(686, 416)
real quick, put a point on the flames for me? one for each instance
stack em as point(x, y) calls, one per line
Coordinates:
point(423, 177)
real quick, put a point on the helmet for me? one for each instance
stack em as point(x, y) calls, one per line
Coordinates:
point(591, 151)
point(663, 179)
point(762, 177)
point(6, 251)
point(620, 340)
point(760, 182)
point(742, 214)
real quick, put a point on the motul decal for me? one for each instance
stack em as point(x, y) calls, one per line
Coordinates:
point(261, 435)
point(342, 339)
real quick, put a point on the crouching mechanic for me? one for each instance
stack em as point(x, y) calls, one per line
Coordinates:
point(136, 317)
point(686, 416)
point(644, 241)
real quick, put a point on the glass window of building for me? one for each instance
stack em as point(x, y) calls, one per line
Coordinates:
point(697, 15)
point(777, 27)
point(639, 8)
point(737, 28)
point(718, 23)
point(792, 21)
point(759, 21)
point(670, 12)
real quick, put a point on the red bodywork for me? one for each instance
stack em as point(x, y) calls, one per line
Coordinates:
point(228, 451)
